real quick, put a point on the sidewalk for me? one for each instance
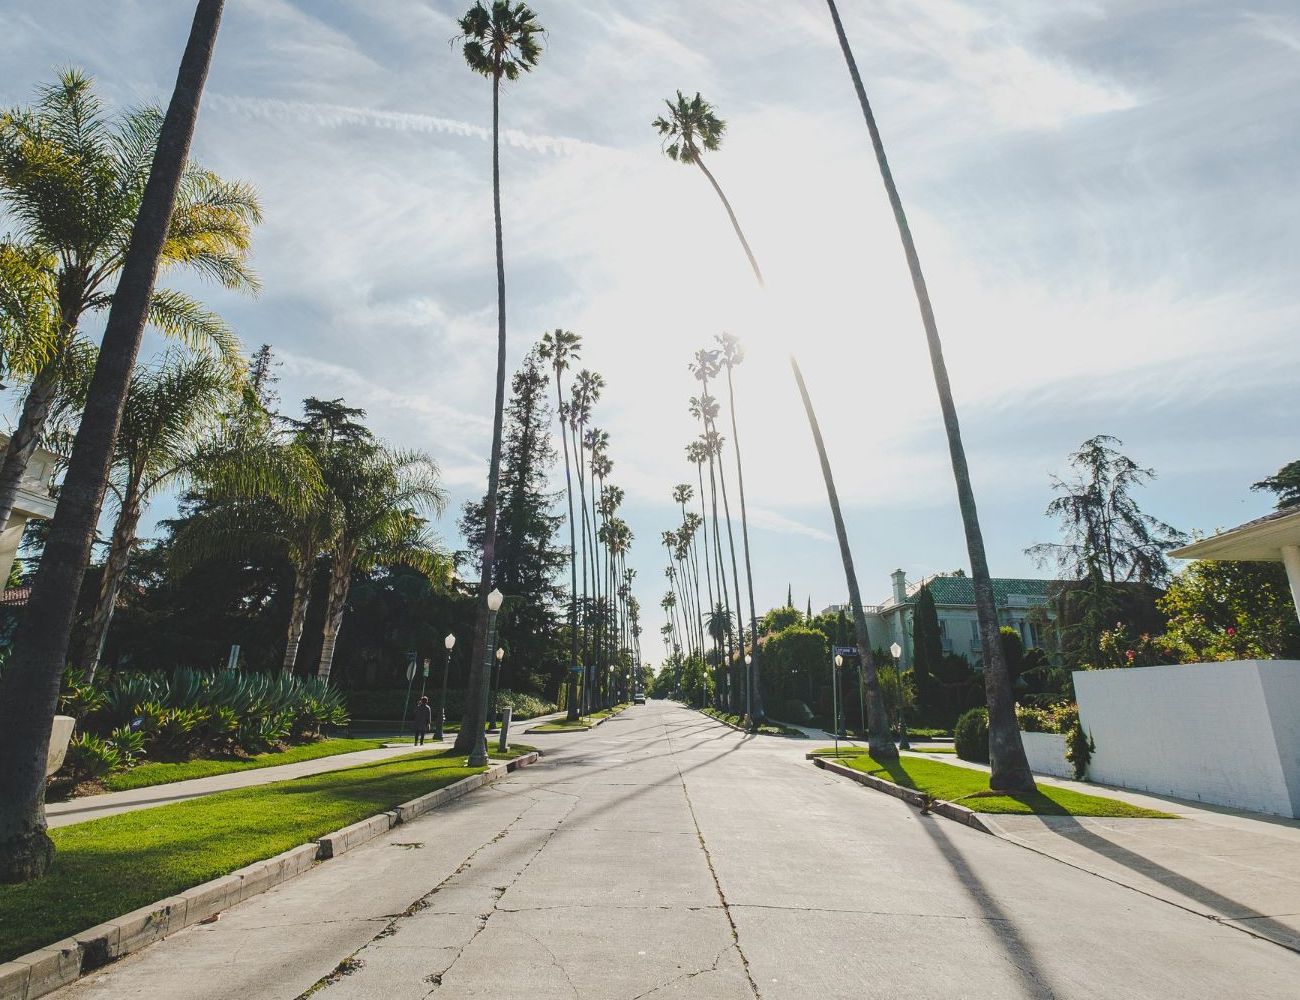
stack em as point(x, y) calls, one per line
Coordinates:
point(1237, 868)
point(111, 803)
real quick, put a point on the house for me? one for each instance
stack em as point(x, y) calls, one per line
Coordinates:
point(1022, 604)
point(33, 502)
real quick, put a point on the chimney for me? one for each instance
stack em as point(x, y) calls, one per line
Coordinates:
point(899, 579)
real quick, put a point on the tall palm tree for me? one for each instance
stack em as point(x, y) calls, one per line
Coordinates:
point(29, 688)
point(690, 125)
point(732, 354)
point(1009, 766)
point(697, 454)
point(377, 496)
point(72, 181)
point(502, 43)
point(169, 431)
point(562, 348)
point(878, 738)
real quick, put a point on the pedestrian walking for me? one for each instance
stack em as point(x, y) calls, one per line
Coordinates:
point(423, 718)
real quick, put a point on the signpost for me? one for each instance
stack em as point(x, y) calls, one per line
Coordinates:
point(411, 659)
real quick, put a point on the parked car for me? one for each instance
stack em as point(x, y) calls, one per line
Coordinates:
point(638, 698)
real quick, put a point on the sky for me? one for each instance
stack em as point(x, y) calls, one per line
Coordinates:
point(1103, 195)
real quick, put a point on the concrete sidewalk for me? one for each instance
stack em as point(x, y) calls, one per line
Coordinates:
point(111, 803)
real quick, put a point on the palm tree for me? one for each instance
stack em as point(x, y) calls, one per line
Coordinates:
point(169, 427)
point(733, 354)
point(1009, 766)
point(500, 43)
point(561, 348)
point(376, 496)
point(692, 123)
point(878, 739)
point(697, 454)
point(29, 688)
point(72, 180)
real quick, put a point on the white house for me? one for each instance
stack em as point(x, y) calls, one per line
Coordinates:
point(34, 501)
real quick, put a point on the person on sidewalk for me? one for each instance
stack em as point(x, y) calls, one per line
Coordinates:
point(423, 719)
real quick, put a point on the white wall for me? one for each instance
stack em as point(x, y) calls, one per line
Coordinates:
point(1222, 733)
point(1046, 753)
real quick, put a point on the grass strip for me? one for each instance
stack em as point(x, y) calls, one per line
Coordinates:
point(970, 788)
point(159, 773)
point(107, 867)
point(766, 729)
point(585, 722)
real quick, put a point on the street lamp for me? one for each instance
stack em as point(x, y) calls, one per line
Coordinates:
point(492, 708)
point(450, 643)
point(479, 756)
point(609, 687)
point(897, 650)
point(835, 699)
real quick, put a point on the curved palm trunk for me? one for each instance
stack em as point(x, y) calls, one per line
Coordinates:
point(29, 689)
point(37, 404)
point(572, 679)
point(1009, 766)
point(476, 706)
point(878, 739)
point(336, 602)
point(302, 574)
point(735, 223)
point(752, 675)
point(115, 567)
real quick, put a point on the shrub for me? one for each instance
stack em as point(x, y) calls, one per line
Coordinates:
point(1050, 719)
point(523, 706)
point(129, 745)
point(971, 736)
point(1078, 750)
point(89, 757)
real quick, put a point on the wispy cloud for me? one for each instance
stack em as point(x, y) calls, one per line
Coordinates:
point(770, 520)
point(1283, 31)
point(339, 115)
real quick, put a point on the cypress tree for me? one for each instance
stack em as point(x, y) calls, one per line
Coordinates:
point(927, 651)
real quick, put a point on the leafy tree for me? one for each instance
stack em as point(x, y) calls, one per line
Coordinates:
point(779, 619)
point(528, 559)
point(29, 688)
point(1229, 611)
point(72, 180)
point(692, 127)
point(501, 43)
point(1010, 767)
point(1105, 530)
point(795, 665)
point(1285, 484)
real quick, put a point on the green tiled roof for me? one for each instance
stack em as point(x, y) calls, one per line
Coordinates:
point(960, 590)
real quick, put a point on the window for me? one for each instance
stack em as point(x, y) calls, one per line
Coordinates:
point(974, 633)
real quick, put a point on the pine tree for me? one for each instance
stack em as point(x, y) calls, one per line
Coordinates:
point(528, 560)
point(789, 595)
point(808, 613)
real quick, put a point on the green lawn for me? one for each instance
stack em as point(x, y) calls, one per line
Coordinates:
point(969, 787)
point(586, 722)
point(161, 774)
point(766, 729)
point(944, 748)
point(110, 866)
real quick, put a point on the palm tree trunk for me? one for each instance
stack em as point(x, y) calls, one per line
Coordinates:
point(336, 602)
point(878, 739)
point(115, 567)
point(735, 223)
point(708, 556)
point(752, 673)
point(737, 705)
point(27, 436)
point(572, 678)
point(724, 642)
point(475, 716)
point(1009, 766)
point(302, 574)
point(29, 689)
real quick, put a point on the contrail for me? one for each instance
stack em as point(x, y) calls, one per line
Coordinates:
point(337, 115)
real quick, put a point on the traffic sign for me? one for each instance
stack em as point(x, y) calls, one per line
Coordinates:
point(845, 650)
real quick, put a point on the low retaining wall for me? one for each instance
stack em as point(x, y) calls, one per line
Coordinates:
point(1223, 733)
point(1046, 753)
point(47, 969)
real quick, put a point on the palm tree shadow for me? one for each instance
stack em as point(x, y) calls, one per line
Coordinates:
point(1031, 974)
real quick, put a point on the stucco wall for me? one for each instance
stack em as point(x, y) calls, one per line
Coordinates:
point(1046, 753)
point(1223, 733)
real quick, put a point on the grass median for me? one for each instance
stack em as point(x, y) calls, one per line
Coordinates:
point(160, 773)
point(766, 729)
point(107, 867)
point(577, 725)
point(969, 787)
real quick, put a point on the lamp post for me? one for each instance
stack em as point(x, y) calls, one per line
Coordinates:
point(749, 687)
point(450, 643)
point(897, 650)
point(609, 687)
point(492, 708)
point(835, 698)
point(478, 757)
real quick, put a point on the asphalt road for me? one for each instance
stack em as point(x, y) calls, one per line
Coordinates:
point(663, 855)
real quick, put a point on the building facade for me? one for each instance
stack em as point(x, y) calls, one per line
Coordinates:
point(1022, 604)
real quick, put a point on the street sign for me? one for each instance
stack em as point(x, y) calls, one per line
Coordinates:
point(232, 662)
point(410, 666)
point(845, 650)
point(426, 666)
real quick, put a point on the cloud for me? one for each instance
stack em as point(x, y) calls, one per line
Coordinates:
point(339, 115)
point(770, 520)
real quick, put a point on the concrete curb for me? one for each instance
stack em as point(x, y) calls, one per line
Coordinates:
point(742, 729)
point(47, 969)
point(949, 810)
point(574, 729)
